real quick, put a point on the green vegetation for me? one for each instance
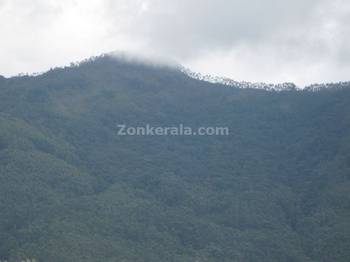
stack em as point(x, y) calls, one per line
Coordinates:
point(276, 189)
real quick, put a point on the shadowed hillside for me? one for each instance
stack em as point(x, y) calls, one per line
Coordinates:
point(275, 189)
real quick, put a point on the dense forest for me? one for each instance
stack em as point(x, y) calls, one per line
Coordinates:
point(277, 188)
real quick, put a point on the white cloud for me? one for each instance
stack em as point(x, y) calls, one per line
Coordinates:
point(273, 40)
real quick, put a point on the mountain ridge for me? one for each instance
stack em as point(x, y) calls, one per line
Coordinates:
point(148, 61)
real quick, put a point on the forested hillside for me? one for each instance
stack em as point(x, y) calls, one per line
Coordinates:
point(276, 188)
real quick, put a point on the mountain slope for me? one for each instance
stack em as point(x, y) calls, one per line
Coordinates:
point(71, 189)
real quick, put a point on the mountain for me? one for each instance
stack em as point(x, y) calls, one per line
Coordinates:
point(276, 188)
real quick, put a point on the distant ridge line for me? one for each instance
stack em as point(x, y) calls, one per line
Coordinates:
point(288, 86)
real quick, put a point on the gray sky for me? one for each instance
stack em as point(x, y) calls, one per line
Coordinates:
point(303, 41)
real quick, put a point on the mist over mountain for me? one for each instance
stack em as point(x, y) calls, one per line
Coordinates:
point(277, 188)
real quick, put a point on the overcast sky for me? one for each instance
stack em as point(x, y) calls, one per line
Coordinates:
point(302, 41)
